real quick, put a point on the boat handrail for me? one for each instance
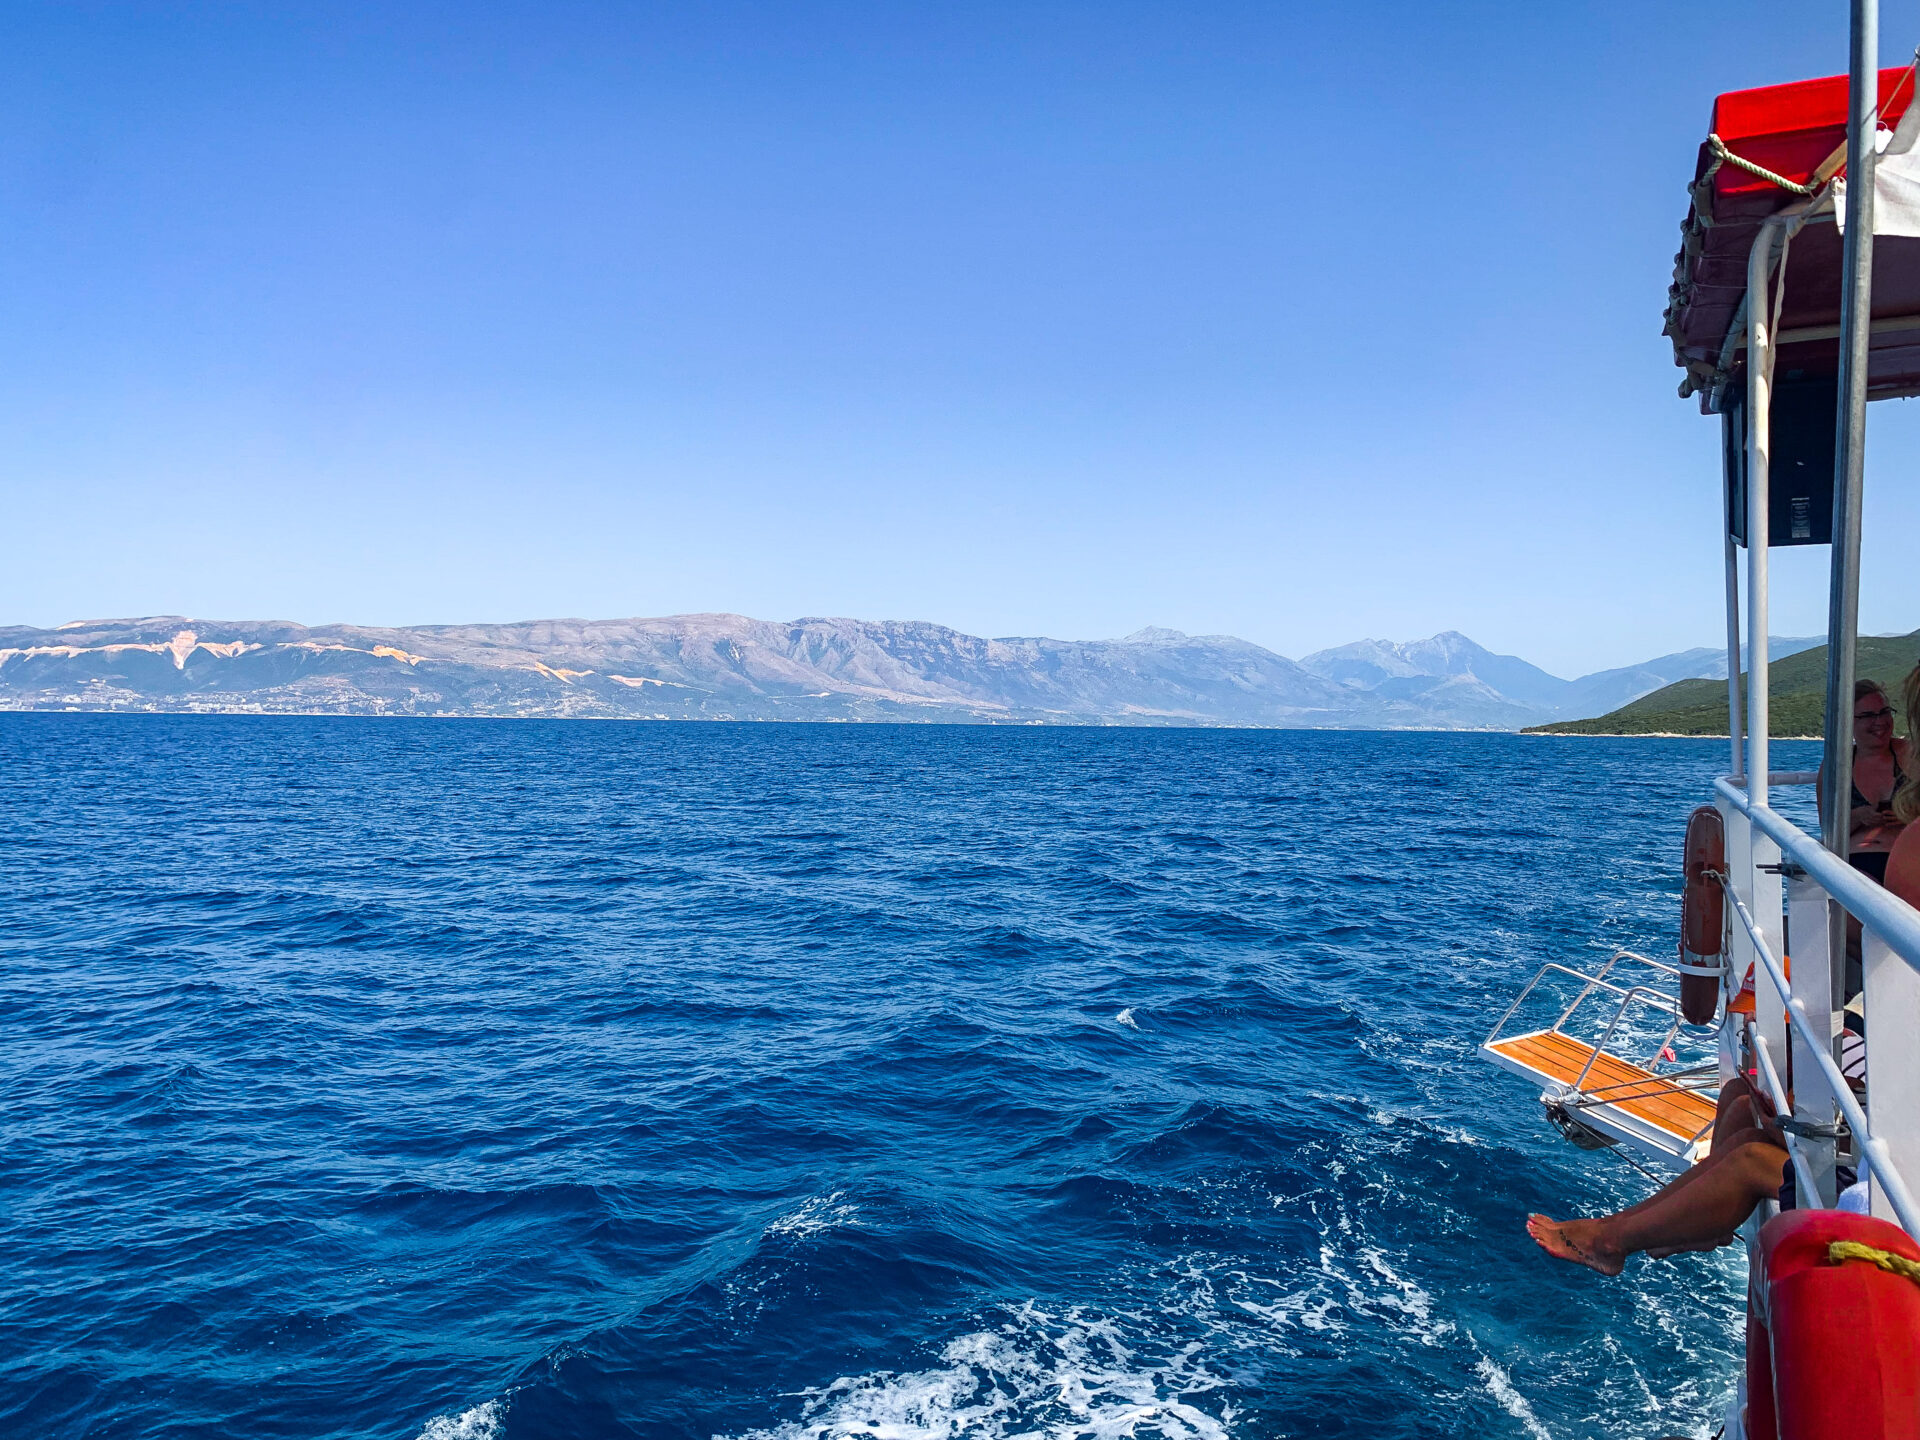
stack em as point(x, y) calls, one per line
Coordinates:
point(1781, 777)
point(1873, 1150)
point(1888, 916)
point(1790, 777)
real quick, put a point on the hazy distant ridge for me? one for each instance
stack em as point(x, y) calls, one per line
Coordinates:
point(733, 667)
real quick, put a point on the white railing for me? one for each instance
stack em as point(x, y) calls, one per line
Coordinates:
point(1783, 1104)
point(1874, 907)
point(1891, 946)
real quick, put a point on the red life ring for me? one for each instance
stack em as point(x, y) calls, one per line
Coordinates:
point(1703, 914)
point(1842, 1334)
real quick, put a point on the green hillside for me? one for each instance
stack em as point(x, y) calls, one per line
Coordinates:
point(1796, 695)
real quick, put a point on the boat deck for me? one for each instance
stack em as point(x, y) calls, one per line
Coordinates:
point(1619, 1097)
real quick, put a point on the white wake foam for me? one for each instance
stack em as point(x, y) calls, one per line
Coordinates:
point(1125, 1017)
point(1063, 1377)
point(815, 1216)
point(1500, 1386)
point(1347, 1285)
point(482, 1422)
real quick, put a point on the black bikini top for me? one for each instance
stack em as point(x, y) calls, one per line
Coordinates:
point(1899, 779)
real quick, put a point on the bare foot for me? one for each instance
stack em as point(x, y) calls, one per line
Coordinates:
point(1575, 1240)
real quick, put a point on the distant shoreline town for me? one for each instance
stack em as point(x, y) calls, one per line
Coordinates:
point(729, 667)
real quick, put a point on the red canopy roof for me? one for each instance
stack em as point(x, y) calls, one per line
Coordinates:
point(1790, 130)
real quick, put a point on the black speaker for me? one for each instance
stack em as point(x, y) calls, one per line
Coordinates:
point(1801, 439)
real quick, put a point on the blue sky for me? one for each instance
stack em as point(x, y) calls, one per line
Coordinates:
point(1301, 323)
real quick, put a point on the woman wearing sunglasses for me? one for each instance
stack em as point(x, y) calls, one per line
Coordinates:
point(1879, 774)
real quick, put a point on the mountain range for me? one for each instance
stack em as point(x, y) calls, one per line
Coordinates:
point(730, 667)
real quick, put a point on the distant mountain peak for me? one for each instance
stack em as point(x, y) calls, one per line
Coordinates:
point(1373, 663)
point(724, 666)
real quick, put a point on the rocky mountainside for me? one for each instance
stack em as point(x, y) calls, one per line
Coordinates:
point(681, 667)
point(732, 667)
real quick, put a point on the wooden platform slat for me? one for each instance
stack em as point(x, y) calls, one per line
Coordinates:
point(1613, 1081)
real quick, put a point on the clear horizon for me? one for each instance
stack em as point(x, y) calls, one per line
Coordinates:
point(1300, 328)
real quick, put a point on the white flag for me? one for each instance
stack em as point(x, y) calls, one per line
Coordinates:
point(1896, 182)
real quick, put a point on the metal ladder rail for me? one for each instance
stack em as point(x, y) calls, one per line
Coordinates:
point(1675, 1084)
point(1646, 996)
point(1599, 978)
point(1589, 983)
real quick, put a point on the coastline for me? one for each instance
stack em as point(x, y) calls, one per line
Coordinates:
point(1642, 735)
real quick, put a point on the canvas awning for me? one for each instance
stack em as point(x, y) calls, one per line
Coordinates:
point(1767, 150)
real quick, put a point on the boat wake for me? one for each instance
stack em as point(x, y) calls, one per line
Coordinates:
point(1033, 1374)
point(1500, 1385)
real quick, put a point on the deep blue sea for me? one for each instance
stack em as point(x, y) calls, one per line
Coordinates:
point(475, 1079)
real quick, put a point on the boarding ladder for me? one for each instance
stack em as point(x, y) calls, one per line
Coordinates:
point(1594, 1094)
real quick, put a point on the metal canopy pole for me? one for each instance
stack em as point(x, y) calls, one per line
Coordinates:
point(1759, 446)
point(1856, 307)
point(1728, 458)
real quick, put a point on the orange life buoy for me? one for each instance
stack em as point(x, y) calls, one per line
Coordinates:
point(1842, 1334)
point(1703, 915)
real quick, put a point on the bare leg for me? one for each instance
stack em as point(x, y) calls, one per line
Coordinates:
point(1547, 1233)
point(1742, 1115)
point(1700, 1211)
point(1693, 1175)
point(1740, 1107)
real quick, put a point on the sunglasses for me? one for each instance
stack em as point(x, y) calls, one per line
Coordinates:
point(1883, 713)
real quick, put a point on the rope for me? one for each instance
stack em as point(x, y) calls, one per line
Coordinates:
point(1621, 1155)
point(1701, 192)
point(1828, 168)
point(1842, 1250)
point(1837, 161)
point(1660, 1085)
point(1722, 153)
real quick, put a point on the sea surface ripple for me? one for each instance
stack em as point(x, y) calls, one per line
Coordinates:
point(494, 1080)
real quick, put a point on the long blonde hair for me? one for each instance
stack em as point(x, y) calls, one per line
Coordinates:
point(1906, 805)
